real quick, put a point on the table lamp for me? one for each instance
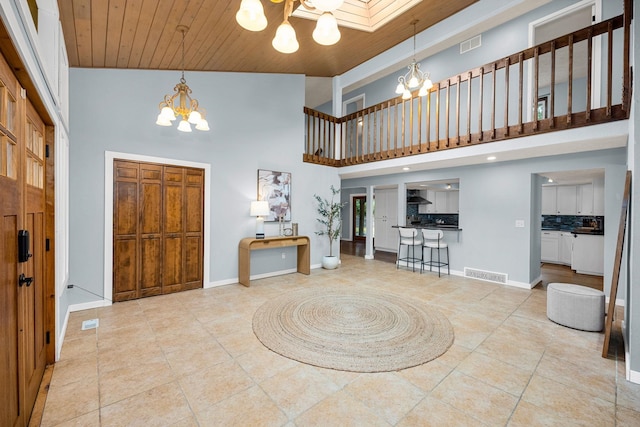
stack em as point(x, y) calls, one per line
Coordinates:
point(259, 209)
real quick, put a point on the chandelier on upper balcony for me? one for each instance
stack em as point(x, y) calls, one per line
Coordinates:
point(251, 17)
point(415, 78)
point(187, 107)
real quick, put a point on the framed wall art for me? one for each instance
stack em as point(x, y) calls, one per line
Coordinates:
point(275, 188)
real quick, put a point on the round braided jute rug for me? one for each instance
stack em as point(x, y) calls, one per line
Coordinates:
point(352, 330)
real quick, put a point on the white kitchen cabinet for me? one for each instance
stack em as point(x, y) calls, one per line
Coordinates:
point(444, 202)
point(584, 199)
point(386, 216)
point(454, 201)
point(549, 205)
point(549, 246)
point(566, 200)
point(598, 197)
point(565, 247)
point(588, 254)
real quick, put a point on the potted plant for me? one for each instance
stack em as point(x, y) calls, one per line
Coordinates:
point(329, 212)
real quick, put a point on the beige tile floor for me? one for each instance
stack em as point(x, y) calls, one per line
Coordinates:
point(192, 359)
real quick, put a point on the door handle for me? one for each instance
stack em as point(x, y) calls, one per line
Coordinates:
point(22, 280)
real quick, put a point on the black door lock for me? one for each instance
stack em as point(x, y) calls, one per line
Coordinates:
point(22, 280)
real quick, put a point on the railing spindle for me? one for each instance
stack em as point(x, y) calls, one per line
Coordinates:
point(552, 92)
point(570, 82)
point(438, 117)
point(506, 97)
point(589, 74)
point(481, 130)
point(536, 84)
point(458, 109)
point(609, 67)
point(446, 112)
point(493, 100)
point(469, 74)
point(520, 90)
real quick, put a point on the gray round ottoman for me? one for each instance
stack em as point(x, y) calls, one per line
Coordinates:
point(575, 306)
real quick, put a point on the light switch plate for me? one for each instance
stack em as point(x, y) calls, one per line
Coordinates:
point(520, 223)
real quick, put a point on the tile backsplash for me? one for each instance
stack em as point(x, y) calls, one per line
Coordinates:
point(568, 222)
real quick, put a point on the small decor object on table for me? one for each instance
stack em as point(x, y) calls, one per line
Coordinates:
point(329, 211)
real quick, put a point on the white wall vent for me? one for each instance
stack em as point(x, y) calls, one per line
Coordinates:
point(472, 43)
point(488, 276)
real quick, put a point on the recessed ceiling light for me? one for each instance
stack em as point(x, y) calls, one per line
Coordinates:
point(406, 168)
point(491, 158)
point(423, 185)
point(549, 180)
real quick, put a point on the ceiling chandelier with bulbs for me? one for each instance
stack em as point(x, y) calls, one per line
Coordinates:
point(251, 17)
point(186, 107)
point(415, 77)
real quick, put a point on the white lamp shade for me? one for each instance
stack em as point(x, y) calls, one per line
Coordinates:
point(184, 126)
point(400, 88)
point(250, 16)
point(327, 5)
point(413, 82)
point(406, 94)
point(326, 32)
point(259, 208)
point(427, 84)
point(202, 125)
point(423, 91)
point(194, 117)
point(285, 39)
point(162, 121)
point(167, 113)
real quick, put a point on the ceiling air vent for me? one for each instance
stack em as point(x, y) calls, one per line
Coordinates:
point(471, 44)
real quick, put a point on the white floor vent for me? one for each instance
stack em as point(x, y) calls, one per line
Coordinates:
point(90, 324)
point(489, 276)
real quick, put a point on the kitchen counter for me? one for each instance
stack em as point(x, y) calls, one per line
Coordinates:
point(577, 230)
point(444, 227)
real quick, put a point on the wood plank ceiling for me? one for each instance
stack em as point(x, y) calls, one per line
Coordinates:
point(141, 34)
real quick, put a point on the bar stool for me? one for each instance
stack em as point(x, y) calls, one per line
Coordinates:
point(432, 239)
point(409, 238)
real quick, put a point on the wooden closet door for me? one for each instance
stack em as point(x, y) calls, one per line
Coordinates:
point(158, 229)
point(174, 227)
point(150, 230)
point(125, 230)
point(194, 224)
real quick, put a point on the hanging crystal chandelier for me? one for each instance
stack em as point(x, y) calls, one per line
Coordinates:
point(251, 17)
point(186, 107)
point(415, 77)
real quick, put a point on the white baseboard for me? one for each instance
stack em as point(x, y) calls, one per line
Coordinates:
point(63, 332)
point(88, 305)
point(254, 277)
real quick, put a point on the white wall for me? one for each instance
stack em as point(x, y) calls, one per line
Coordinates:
point(256, 123)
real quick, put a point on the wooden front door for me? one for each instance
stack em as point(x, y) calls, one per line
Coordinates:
point(157, 229)
point(23, 285)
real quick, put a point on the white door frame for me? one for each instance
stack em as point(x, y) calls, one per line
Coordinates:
point(109, 157)
point(597, 50)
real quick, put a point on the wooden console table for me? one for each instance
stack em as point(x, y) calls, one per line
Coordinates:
point(251, 244)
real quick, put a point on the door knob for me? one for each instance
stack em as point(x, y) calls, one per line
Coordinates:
point(22, 280)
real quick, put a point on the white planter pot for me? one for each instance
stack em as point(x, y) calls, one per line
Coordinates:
point(330, 262)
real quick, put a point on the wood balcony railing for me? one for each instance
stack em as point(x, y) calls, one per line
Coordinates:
point(561, 84)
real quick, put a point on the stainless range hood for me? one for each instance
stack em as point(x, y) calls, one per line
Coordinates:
point(414, 198)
